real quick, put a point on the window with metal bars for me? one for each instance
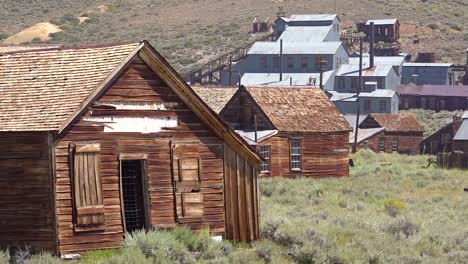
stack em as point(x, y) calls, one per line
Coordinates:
point(133, 199)
point(395, 144)
point(265, 152)
point(296, 154)
point(381, 144)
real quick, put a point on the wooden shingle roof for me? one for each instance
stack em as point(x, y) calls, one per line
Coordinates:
point(215, 97)
point(41, 89)
point(293, 109)
point(398, 122)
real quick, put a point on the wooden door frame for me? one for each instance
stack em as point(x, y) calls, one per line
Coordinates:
point(142, 158)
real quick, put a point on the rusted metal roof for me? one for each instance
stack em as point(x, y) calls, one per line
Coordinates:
point(364, 134)
point(293, 109)
point(398, 122)
point(41, 89)
point(434, 90)
point(215, 97)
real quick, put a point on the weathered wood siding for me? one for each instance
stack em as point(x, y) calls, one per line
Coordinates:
point(323, 155)
point(242, 208)
point(407, 143)
point(191, 138)
point(26, 196)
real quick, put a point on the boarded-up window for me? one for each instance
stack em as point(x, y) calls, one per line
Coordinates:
point(394, 144)
point(189, 198)
point(296, 154)
point(87, 186)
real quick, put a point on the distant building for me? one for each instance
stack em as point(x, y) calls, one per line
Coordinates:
point(396, 61)
point(377, 101)
point(289, 79)
point(315, 20)
point(402, 133)
point(299, 131)
point(453, 136)
point(384, 75)
point(434, 97)
point(427, 73)
point(385, 30)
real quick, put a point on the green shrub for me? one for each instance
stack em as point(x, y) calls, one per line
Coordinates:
point(402, 227)
point(44, 258)
point(394, 207)
point(4, 257)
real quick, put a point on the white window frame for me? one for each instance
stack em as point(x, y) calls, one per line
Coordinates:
point(265, 152)
point(295, 145)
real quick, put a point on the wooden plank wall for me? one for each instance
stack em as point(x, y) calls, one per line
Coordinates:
point(26, 203)
point(242, 198)
point(323, 155)
point(140, 84)
point(407, 143)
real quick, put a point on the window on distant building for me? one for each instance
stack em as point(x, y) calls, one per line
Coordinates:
point(290, 61)
point(296, 153)
point(365, 145)
point(367, 106)
point(354, 83)
point(383, 106)
point(394, 144)
point(276, 62)
point(341, 84)
point(263, 62)
point(382, 144)
point(304, 63)
point(265, 152)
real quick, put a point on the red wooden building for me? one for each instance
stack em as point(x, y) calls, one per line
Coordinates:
point(298, 130)
point(97, 141)
point(401, 133)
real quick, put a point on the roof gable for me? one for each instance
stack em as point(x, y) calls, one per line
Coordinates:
point(393, 122)
point(293, 109)
point(215, 97)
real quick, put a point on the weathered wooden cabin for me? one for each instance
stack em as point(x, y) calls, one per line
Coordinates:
point(453, 136)
point(385, 30)
point(99, 141)
point(299, 132)
point(402, 133)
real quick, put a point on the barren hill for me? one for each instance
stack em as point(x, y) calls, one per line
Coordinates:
point(192, 31)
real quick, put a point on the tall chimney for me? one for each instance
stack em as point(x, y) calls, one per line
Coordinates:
point(281, 60)
point(371, 45)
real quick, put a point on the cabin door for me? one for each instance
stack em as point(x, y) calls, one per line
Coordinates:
point(135, 195)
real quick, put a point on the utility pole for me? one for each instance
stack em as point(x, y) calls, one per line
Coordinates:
point(230, 70)
point(357, 99)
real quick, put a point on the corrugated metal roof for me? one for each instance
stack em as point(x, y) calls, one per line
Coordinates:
point(385, 60)
point(249, 136)
point(426, 64)
point(215, 97)
point(351, 97)
point(365, 134)
point(305, 34)
point(462, 133)
point(436, 90)
point(312, 17)
point(388, 21)
point(293, 109)
point(272, 79)
point(465, 115)
point(381, 70)
point(352, 119)
point(264, 47)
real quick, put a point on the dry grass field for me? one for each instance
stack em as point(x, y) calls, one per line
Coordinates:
point(191, 32)
point(392, 209)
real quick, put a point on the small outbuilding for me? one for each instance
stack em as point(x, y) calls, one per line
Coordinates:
point(298, 131)
point(433, 97)
point(101, 140)
point(453, 136)
point(402, 133)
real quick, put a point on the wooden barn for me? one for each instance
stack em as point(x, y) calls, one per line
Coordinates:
point(433, 97)
point(99, 141)
point(299, 132)
point(402, 133)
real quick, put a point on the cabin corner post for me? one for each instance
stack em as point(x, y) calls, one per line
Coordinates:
point(53, 178)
